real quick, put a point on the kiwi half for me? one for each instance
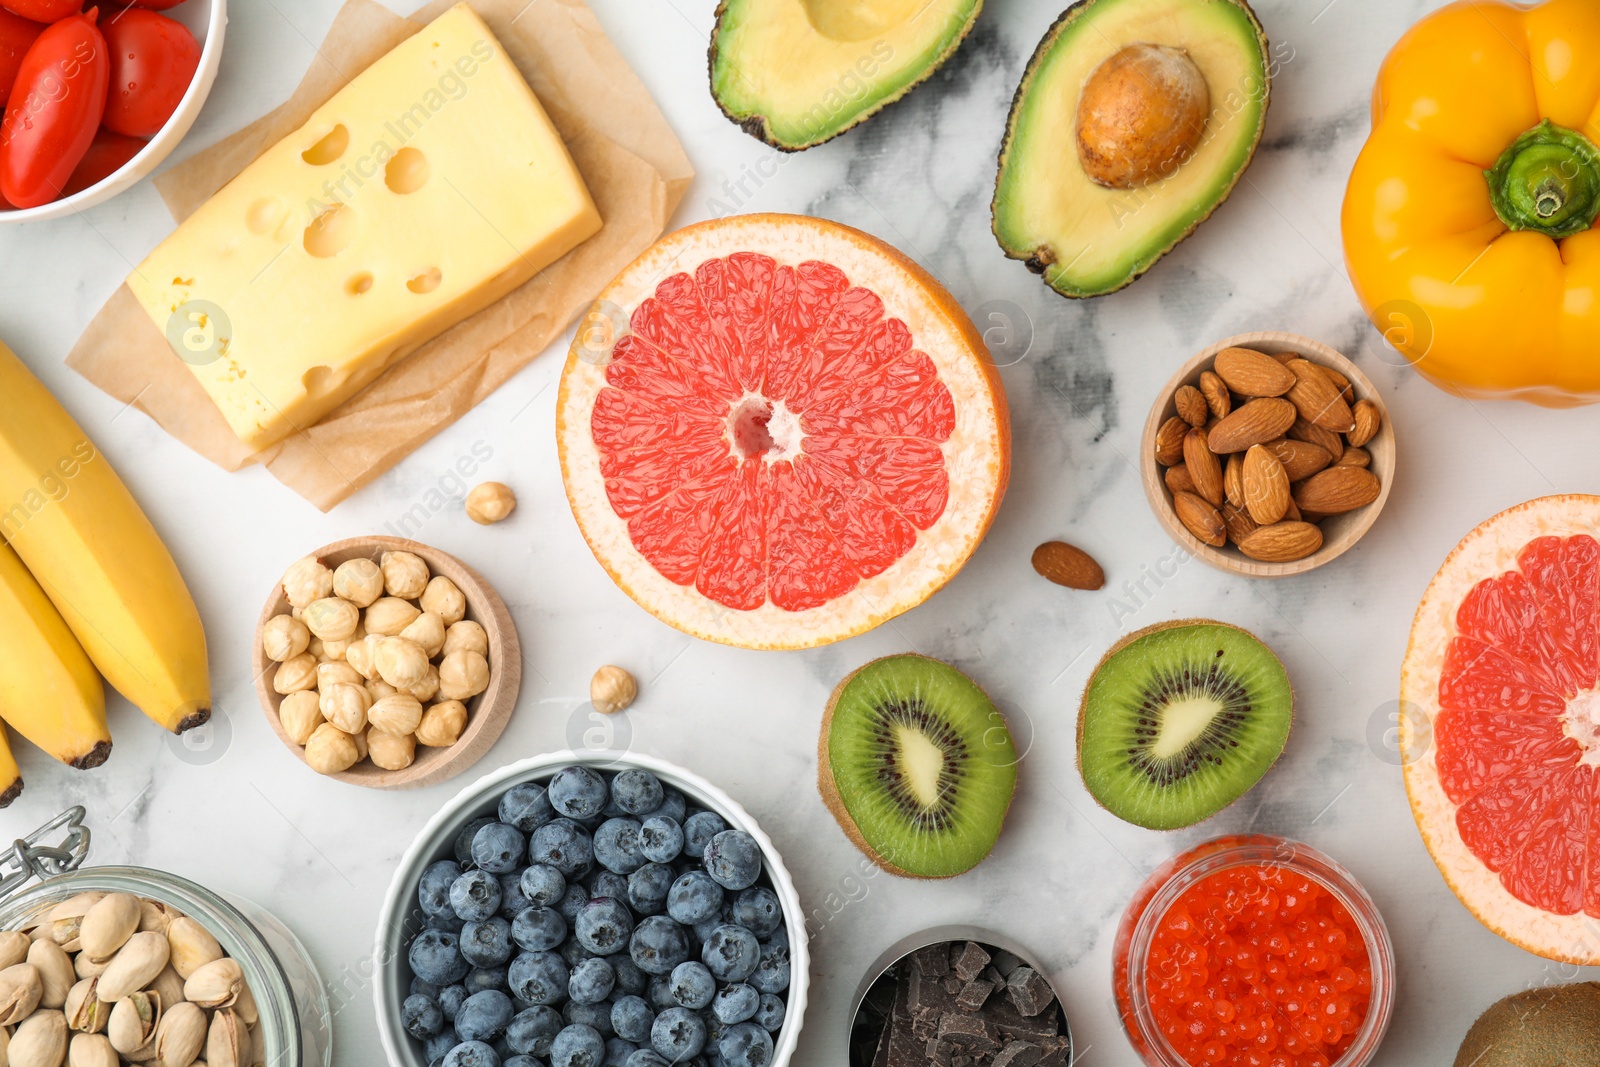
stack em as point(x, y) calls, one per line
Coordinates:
point(1179, 720)
point(917, 765)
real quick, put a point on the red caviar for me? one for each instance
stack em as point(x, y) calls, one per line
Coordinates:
point(1259, 966)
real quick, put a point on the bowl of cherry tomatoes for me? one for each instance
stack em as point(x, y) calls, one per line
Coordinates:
point(97, 93)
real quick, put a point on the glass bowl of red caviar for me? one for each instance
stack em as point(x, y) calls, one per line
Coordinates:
point(1254, 951)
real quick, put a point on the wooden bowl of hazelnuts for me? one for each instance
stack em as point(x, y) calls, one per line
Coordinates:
point(386, 663)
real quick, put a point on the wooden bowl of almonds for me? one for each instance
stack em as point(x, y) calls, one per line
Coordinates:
point(386, 663)
point(1267, 455)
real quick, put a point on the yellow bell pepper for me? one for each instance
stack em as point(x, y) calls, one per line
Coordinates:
point(1469, 219)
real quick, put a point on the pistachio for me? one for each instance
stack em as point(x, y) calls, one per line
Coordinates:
point(55, 972)
point(133, 1021)
point(84, 1009)
point(84, 967)
point(192, 947)
point(466, 636)
point(442, 724)
point(427, 630)
point(359, 581)
point(135, 965)
point(75, 906)
point(108, 925)
point(20, 990)
point(13, 948)
point(216, 984)
point(295, 673)
point(398, 714)
point(64, 932)
point(391, 752)
point(156, 915)
point(91, 1050)
point(245, 1006)
point(463, 675)
point(401, 662)
point(180, 1036)
point(227, 1041)
point(299, 714)
point(405, 575)
point(445, 599)
point(284, 637)
point(170, 985)
point(41, 1041)
point(389, 615)
point(345, 706)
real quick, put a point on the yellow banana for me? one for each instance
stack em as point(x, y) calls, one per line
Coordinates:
point(10, 776)
point(96, 555)
point(49, 691)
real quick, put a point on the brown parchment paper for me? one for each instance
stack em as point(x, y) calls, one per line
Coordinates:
point(633, 164)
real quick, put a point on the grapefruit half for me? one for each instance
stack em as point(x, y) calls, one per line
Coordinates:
point(776, 432)
point(1502, 667)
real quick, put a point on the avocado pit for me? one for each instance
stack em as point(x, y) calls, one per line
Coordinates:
point(1142, 112)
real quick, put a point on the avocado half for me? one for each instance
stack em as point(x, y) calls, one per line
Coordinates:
point(1087, 239)
point(795, 73)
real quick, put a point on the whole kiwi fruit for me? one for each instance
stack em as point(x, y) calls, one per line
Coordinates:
point(1553, 1026)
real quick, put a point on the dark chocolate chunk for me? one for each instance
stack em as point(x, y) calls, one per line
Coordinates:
point(1029, 991)
point(933, 961)
point(971, 1032)
point(973, 994)
point(971, 961)
point(1018, 1054)
point(1011, 1023)
point(930, 994)
point(952, 985)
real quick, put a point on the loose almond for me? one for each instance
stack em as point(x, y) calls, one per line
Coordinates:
point(1215, 390)
point(1327, 440)
point(1253, 423)
point(1233, 480)
point(1367, 421)
point(1282, 542)
point(1200, 519)
point(1337, 490)
point(1317, 399)
point(1068, 565)
point(1237, 522)
point(1192, 406)
point(1205, 470)
point(1300, 459)
point(1169, 441)
point(1251, 373)
point(1266, 486)
point(1355, 457)
point(1178, 480)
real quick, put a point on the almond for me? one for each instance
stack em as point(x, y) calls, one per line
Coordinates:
point(1355, 457)
point(1205, 470)
point(1192, 406)
point(1340, 382)
point(1169, 441)
point(1233, 480)
point(1292, 514)
point(1285, 357)
point(1282, 542)
point(1252, 373)
point(1266, 486)
point(1068, 565)
point(1254, 423)
point(1317, 399)
point(1337, 490)
point(1300, 459)
point(1368, 420)
point(1200, 519)
point(1326, 440)
point(1237, 522)
point(1215, 390)
point(1178, 480)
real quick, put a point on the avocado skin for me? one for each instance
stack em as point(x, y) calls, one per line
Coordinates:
point(1039, 259)
point(1555, 1026)
point(756, 125)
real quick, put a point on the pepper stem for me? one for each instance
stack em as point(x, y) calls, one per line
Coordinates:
point(1548, 181)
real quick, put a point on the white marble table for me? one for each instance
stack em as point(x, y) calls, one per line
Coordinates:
point(246, 817)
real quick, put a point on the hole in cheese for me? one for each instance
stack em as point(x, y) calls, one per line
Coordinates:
point(358, 283)
point(266, 214)
point(320, 380)
point(331, 232)
point(426, 282)
point(330, 148)
point(407, 171)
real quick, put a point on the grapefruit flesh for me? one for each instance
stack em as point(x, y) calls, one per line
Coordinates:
point(1504, 662)
point(795, 435)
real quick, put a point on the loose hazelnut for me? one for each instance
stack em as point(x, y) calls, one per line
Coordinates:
point(490, 502)
point(330, 750)
point(465, 636)
point(300, 714)
point(426, 630)
point(359, 581)
point(463, 675)
point(284, 637)
point(405, 575)
point(401, 662)
point(307, 580)
point(295, 673)
point(444, 599)
point(392, 752)
point(332, 619)
point(612, 689)
point(389, 615)
point(345, 706)
point(398, 714)
point(442, 724)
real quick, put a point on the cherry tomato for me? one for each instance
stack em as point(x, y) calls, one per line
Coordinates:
point(107, 153)
point(153, 5)
point(17, 35)
point(43, 10)
point(54, 110)
point(153, 60)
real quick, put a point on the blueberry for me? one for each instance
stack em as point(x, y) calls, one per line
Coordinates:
point(574, 900)
point(699, 829)
point(450, 1000)
point(770, 1014)
point(471, 1054)
point(637, 791)
point(631, 1018)
point(575, 953)
point(564, 845)
point(543, 885)
point(486, 943)
point(604, 926)
point(450, 924)
point(732, 953)
point(421, 1016)
point(630, 979)
point(694, 897)
point(475, 896)
point(532, 1029)
point(616, 846)
point(658, 945)
point(660, 839)
point(646, 1057)
point(512, 899)
point(647, 888)
point(757, 909)
point(519, 1061)
point(735, 1003)
point(433, 892)
point(538, 929)
point(577, 792)
point(734, 859)
point(427, 989)
point(745, 1045)
point(437, 1047)
point(526, 807)
point(659, 993)
point(577, 1046)
point(772, 973)
point(498, 848)
point(678, 1034)
point(706, 927)
point(539, 978)
point(692, 985)
point(591, 982)
point(435, 956)
point(463, 845)
point(673, 807)
point(480, 978)
point(607, 884)
point(484, 1016)
point(597, 1016)
point(618, 1051)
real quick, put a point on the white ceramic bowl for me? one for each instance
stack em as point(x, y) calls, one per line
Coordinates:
point(401, 917)
point(206, 19)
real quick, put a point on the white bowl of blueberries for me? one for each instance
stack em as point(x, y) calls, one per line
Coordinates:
point(598, 910)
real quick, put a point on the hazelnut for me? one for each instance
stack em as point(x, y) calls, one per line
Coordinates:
point(405, 575)
point(398, 714)
point(389, 615)
point(332, 619)
point(426, 689)
point(463, 675)
point(426, 630)
point(295, 673)
point(360, 739)
point(359, 581)
point(307, 580)
point(284, 637)
point(377, 689)
point(330, 750)
point(465, 636)
point(401, 662)
point(337, 650)
point(345, 706)
point(362, 653)
point(442, 724)
point(392, 752)
point(490, 502)
point(444, 599)
point(331, 673)
point(612, 689)
point(299, 715)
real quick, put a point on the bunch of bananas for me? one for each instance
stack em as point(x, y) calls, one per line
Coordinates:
point(87, 590)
